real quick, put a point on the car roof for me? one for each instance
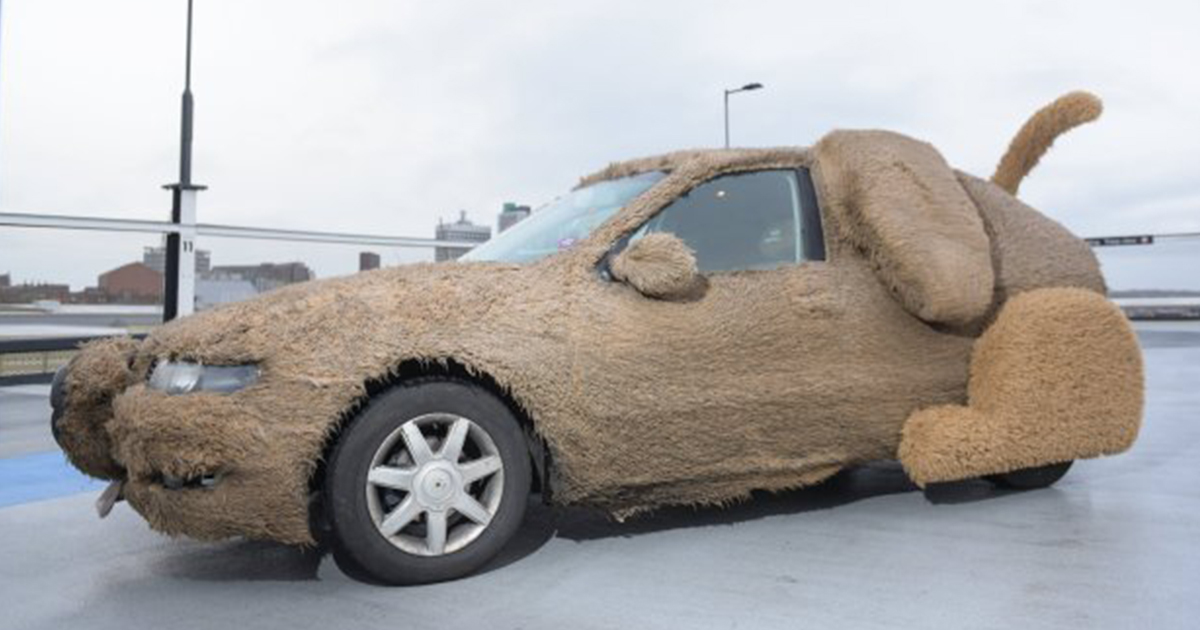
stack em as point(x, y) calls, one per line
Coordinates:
point(716, 158)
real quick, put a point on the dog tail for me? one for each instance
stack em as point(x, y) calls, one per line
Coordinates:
point(1039, 132)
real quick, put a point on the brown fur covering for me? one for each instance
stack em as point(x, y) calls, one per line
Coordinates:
point(223, 437)
point(774, 379)
point(1029, 249)
point(658, 265)
point(1038, 134)
point(1057, 377)
point(906, 210)
point(95, 375)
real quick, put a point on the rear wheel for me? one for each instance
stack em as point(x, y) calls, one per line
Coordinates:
point(428, 483)
point(1031, 478)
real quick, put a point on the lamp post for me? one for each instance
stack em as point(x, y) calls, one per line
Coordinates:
point(744, 88)
point(179, 279)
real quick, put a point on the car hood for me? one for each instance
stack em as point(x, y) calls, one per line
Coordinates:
point(352, 315)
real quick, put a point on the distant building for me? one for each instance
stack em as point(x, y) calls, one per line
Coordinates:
point(133, 283)
point(210, 292)
point(461, 230)
point(89, 295)
point(512, 214)
point(156, 259)
point(368, 261)
point(264, 276)
point(28, 293)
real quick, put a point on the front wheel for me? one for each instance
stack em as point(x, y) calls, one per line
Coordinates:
point(428, 483)
point(1031, 478)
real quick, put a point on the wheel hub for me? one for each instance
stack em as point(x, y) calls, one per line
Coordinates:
point(437, 485)
point(442, 474)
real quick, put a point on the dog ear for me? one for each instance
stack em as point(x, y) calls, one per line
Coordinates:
point(897, 201)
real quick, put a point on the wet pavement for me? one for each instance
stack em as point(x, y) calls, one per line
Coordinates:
point(1116, 544)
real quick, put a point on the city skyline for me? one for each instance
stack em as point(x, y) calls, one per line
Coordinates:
point(154, 256)
point(141, 282)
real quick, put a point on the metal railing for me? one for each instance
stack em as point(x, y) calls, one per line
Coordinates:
point(1137, 239)
point(26, 361)
point(35, 360)
point(58, 221)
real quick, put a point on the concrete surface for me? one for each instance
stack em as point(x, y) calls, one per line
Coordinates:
point(1116, 544)
point(25, 420)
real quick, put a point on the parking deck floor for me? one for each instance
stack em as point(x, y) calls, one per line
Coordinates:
point(1116, 544)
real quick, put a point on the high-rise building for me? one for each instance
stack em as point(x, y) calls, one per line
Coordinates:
point(156, 259)
point(461, 230)
point(512, 214)
point(368, 261)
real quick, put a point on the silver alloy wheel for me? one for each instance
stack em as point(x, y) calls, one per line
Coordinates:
point(426, 472)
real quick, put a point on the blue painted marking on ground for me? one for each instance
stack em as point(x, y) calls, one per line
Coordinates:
point(39, 477)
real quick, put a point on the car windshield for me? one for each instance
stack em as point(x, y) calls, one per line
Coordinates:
point(565, 221)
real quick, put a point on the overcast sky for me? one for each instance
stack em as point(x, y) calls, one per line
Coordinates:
point(381, 116)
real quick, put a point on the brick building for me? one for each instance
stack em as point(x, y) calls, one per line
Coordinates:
point(134, 283)
point(28, 293)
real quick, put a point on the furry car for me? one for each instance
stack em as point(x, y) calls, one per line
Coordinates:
point(681, 329)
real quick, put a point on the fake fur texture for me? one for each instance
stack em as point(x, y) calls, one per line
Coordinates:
point(907, 213)
point(660, 266)
point(1038, 134)
point(1022, 411)
point(759, 380)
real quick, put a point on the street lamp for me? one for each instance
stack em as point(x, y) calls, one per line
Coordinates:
point(179, 277)
point(744, 88)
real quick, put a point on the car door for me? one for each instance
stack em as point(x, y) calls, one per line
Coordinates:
point(706, 390)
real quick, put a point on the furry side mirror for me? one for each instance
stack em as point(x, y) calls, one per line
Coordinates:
point(659, 266)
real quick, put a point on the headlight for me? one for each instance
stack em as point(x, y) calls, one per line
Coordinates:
point(180, 377)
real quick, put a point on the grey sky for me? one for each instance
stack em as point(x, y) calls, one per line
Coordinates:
point(381, 116)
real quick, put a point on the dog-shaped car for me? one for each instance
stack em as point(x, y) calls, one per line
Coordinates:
point(682, 329)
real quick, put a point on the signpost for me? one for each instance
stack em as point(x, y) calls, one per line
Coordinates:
point(1105, 241)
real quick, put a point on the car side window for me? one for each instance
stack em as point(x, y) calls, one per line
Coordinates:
point(754, 220)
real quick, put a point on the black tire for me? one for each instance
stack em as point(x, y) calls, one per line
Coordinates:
point(1031, 478)
point(357, 541)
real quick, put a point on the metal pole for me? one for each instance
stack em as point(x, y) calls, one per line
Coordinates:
point(726, 119)
point(185, 140)
point(744, 88)
point(179, 278)
point(1, 31)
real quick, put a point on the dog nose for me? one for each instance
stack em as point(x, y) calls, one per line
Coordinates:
point(58, 401)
